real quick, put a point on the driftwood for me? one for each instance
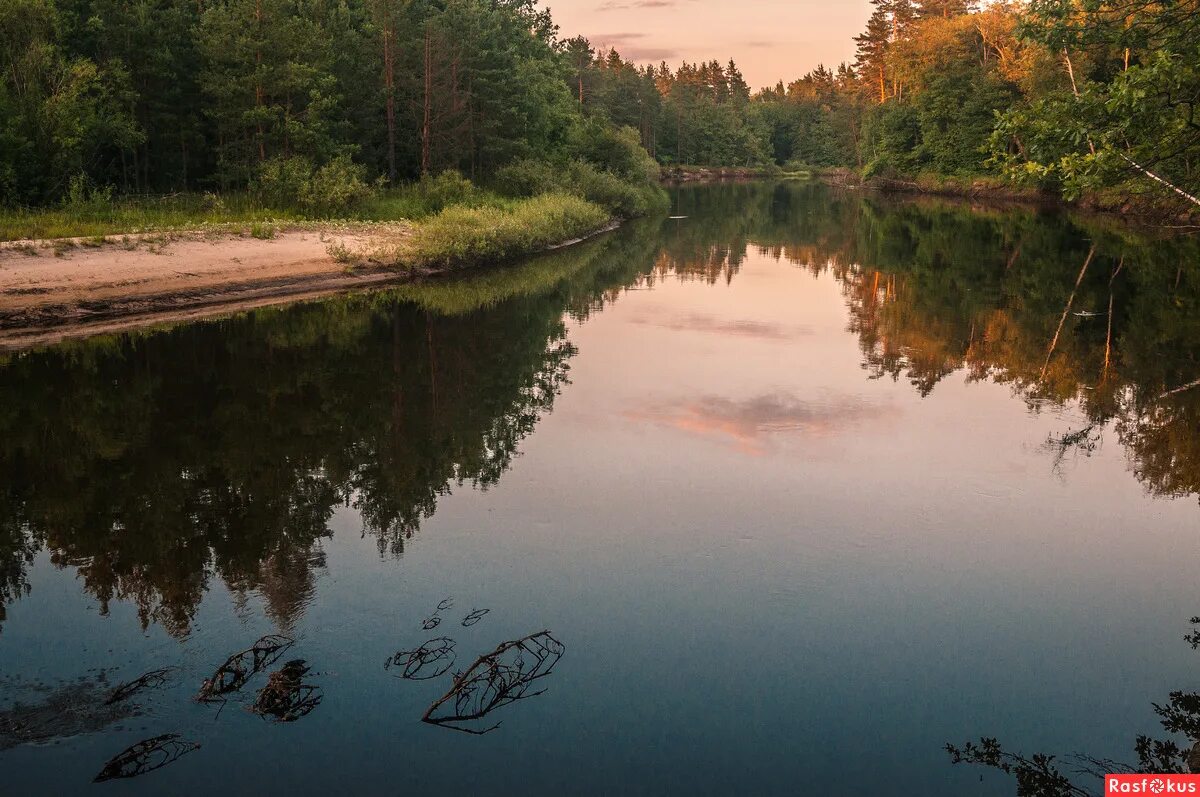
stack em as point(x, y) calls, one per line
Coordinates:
point(241, 667)
point(495, 680)
point(151, 680)
point(146, 756)
point(431, 660)
point(286, 698)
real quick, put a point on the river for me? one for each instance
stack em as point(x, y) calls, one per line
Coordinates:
point(804, 485)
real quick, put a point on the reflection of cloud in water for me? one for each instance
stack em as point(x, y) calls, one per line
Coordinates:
point(749, 424)
point(701, 322)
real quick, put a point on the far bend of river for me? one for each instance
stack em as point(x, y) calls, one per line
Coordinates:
point(805, 484)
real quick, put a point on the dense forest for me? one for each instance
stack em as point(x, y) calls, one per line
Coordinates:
point(156, 96)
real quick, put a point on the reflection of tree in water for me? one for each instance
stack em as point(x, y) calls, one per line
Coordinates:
point(17, 549)
point(1043, 775)
point(936, 288)
point(152, 463)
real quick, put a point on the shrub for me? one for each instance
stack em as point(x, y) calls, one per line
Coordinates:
point(526, 178)
point(82, 195)
point(336, 187)
point(618, 195)
point(281, 181)
point(610, 192)
point(464, 236)
point(446, 189)
point(613, 149)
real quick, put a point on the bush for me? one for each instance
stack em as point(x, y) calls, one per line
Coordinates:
point(618, 195)
point(446, 189)
point(82, 195)
point(336, 187)
point(465, 236)
point(526, 178)
point(616, 150)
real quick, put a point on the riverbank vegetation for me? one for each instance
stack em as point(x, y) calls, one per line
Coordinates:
point(151, 115)
point(1091, 100)
point(118, 118)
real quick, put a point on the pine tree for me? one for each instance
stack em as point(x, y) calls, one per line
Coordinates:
point(579, 56)
point(873, 45)
point(945, 8)
point(739, 90)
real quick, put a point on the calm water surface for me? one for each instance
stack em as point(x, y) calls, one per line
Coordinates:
point(804, 484)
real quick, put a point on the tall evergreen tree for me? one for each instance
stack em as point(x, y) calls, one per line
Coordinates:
point(871, 62)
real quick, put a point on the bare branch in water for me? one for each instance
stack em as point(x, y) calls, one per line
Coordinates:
point(1039, 776)
point(151, 680)
point(1067, 311)
point(241, 667)
point(146, 756)
point(431, 660)
point(495, 680)
point(286, 698)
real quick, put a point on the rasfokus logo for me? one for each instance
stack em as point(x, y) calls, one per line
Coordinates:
point(1151, 784)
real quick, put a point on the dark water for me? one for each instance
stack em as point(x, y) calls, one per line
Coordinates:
point(794, 482)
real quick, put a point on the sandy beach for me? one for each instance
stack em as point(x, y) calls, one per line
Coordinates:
point(50, 290)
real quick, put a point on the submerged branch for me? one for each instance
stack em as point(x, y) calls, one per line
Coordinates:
point(495, 680)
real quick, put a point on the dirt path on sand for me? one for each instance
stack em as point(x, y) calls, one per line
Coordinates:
point(54, 290)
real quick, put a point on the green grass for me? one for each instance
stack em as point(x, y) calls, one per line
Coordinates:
point(96, 220)
point(97, 217)
point(468, 236)
point(103, 218)
point(263, 232)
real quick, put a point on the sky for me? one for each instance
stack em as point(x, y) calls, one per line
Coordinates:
point(771, 40)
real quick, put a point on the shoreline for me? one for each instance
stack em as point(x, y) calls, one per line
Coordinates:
point(1133, 210)
point(54, 290)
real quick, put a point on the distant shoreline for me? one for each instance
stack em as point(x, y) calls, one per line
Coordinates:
point(1140, 210)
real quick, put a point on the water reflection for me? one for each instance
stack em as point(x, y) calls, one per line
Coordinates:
point(1044, 775)
point(1062, 309)
point(750, 424)
point(153, 463)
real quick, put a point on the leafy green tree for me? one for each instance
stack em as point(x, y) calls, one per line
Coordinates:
point(63, 117)
point(1128, 113)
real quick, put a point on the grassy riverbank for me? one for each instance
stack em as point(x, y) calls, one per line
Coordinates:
point(449, 220)
point(1144, 202)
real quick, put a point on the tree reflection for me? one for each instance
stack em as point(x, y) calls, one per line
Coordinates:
point(1063, 309)
point(153, 463)
point(1041, 775)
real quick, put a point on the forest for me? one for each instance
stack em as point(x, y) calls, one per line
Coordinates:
point(326, 103)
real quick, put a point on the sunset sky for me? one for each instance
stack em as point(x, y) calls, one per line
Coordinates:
point(770, 39)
